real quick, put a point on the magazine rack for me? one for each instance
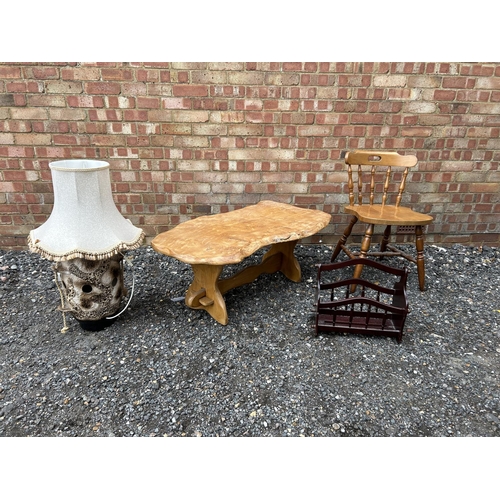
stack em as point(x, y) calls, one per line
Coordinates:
point(376, 307)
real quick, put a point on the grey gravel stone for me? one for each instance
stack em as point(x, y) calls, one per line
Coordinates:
point(163, 369)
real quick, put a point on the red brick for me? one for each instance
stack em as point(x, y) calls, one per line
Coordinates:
point(12, 87)
point(42, 72)
point(85, 101)
point(10, 72)
point(103, 88)
point(147, 75)
point(11, 187)
point(132, 115)
point(444, 95)
point(248, 104)
point(416, 131)
point(148, 102)
point(396, 93)
point(117, 74)
point(457, 82)
point(368, 118)
point(190, 90)
point(290, 66)
point(107, 115)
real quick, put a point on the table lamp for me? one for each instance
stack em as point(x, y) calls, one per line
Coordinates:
point(86, 236)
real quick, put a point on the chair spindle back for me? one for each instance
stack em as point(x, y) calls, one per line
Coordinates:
point(376, 159)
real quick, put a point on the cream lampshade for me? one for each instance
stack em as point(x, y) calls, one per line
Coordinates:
point(84, 222)
point(86, 235)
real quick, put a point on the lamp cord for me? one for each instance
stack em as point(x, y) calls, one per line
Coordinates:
point(65, 328)
point(131, 293)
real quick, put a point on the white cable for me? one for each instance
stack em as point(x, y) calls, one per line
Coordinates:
point(131, 293)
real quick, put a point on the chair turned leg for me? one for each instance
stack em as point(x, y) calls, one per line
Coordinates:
point(419, 243)
point(343, 239)
point(385, 239)
point(365, 247)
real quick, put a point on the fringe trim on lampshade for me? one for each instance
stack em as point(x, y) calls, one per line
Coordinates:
point(78, 254)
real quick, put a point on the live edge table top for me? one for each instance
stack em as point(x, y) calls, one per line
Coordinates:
point(210, 242)
point(228, 238)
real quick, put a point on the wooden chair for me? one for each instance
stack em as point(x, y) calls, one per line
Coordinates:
point(375, 195)
point(378, 307)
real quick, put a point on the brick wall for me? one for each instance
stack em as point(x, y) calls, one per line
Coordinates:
point(188, 139)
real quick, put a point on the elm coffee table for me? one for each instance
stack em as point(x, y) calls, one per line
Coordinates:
point(210, 242)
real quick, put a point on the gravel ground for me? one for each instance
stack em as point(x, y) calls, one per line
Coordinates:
point(163, 369)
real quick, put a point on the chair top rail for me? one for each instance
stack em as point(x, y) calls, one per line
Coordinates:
point(384, 158)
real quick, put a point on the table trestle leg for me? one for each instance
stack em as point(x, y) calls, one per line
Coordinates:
point(207, 290)
point(204, 292)
point(290, 266)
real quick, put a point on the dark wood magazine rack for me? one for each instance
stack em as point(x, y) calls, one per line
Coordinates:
point(355, 305)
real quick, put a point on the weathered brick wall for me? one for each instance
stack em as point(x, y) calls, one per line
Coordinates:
point(187, 139)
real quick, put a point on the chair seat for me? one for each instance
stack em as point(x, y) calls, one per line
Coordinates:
point(388, 214)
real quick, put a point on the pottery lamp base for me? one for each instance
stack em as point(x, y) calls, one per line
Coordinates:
point(91, 290)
